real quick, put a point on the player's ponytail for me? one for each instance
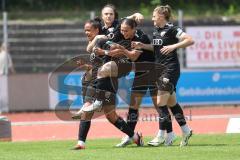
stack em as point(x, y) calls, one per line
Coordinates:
point(97, 19)
point(130, 22)
point(98, 24)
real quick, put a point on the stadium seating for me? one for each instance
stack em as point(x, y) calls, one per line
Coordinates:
point(40, 47)
point(37, 48)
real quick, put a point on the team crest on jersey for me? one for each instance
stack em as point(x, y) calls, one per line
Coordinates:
point(110, 29)
point(163, 33)
point(92, 57)
point(110, 35)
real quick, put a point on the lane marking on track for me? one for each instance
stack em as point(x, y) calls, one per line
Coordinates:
point(142, 119)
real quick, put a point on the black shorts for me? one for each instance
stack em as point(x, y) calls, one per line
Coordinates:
point(143, 89)
point(144, 78)
point(124, 66)
point(168, 77)
point(89, 88)
point(85, 84)
point(90, 94)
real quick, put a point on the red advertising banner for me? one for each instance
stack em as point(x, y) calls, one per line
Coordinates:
point(215, 46)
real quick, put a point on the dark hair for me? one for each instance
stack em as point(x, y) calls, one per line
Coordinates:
point(113, 8)
point(130, 22)
point(96, 23)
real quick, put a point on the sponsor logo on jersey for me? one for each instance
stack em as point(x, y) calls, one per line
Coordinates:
point(157, 42)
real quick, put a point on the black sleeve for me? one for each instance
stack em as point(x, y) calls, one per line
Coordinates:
point(119, 39)
point(145, 39)
point(117, 36)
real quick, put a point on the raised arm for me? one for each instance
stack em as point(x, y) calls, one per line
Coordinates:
point(92, 43)
point(138, 17)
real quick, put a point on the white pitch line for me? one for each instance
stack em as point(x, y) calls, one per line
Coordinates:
point(143, 119)
point(33, 123)
point(214, 116)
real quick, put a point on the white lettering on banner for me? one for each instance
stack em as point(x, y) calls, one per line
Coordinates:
point(217, 46)
point(208, 91)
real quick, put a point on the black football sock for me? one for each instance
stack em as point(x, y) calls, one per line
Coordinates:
point(132, 118)
point(83, 130)
point(178, 114)
point(122, 125)
point(165, 121)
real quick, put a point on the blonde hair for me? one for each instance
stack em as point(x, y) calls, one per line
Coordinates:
point(164, 10)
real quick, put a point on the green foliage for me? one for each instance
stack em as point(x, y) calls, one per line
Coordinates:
point(231, 10)
point(155, 2)
point(145, 10)
point(70, 7)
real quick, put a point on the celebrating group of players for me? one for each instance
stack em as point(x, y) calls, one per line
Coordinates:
point(118, 47)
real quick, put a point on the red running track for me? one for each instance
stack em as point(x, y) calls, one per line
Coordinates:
point(47, 126)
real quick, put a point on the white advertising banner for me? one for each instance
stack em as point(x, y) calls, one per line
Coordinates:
point(215, 46)
point(3, 93)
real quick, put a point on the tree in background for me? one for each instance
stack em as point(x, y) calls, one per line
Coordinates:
point(194, 8)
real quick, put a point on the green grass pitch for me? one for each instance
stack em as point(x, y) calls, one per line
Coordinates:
point(201, 147)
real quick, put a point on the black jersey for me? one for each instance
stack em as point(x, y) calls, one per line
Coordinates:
point(106, 44)
point(139, 36)
point(144, 64)
point(167, 35)
point(146, 55)
point(144, 79)
point(113, 29)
